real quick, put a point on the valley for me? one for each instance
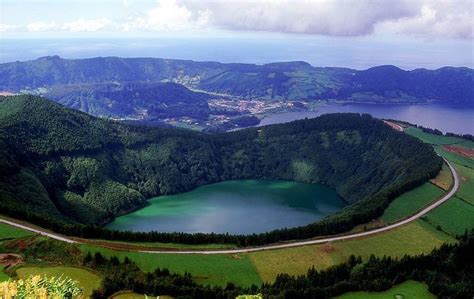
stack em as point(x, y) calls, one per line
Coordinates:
point(245, 268)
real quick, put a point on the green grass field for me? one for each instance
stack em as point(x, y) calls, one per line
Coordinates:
point(409, 290)
point(454, 216)
point(131, 295)
point(409, 202)
point(3, 275)
point(431, 138)
point(87, 280)
point(9, 232)
point(414, 238)
point(458, 159)
point(466, 191)
point(206, 269)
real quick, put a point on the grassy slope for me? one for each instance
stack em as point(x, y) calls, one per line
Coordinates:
point(87, 280)
point(431, 138)
point(414, 238)
point(466, 191)
point(7, 232)
point(464, 161)
point(3, 275)
point(206, 269)
point(409, 289)
point(454, 217)
point(411, 201)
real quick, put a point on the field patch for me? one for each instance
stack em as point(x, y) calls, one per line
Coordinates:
point(408, 289)
point(133, 246)
point(462, 151)
point(414, 238)
point(294, 261)
point(86, 280)
point(444, 179)
point(10, 232)
point(458, 159)
point(466, 190)
point(410, 202)
point(206, 269)
point(454, 216)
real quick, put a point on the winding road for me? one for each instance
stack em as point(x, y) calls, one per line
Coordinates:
point(394, 225)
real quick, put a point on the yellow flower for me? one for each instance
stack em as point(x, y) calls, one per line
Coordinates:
point(42, 293)
point(12, 289)
point(35, 279)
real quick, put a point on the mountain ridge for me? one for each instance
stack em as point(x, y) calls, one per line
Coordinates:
point(295, 80)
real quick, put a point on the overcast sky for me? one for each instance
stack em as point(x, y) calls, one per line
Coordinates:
point(413, 25)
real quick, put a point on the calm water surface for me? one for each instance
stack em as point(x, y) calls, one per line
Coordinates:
point(443, 117)
point(236, 207)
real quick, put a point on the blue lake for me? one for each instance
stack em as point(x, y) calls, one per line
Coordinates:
point(446, 118)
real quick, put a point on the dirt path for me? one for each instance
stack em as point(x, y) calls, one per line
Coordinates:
point(402, 222)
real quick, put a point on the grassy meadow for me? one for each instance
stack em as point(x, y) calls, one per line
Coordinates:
point(454, 216)
point(207, 269)
point(3, 275)
point(410, 202)
point(409, 289)
point(466, 191)
point(10, 232)
point(414, 238)
point(431, 138)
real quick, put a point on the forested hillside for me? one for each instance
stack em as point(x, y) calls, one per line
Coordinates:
point(286, 80)
point(68, 165)
point(139, 99)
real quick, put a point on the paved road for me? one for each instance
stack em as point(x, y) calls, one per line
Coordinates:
point(38, 231)
point(432, 206)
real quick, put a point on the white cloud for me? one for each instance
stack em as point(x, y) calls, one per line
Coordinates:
point(431, 18)
point(87, 25)
point(168, 15)
point(41, 26)
point(453, 19)
point(337, 18)
point(425, 18)
point(7, 27)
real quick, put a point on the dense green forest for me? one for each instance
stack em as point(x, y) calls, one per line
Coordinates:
point(139, 99)
point(63, 165)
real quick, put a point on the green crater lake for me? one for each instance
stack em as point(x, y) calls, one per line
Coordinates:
point(235, 207)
